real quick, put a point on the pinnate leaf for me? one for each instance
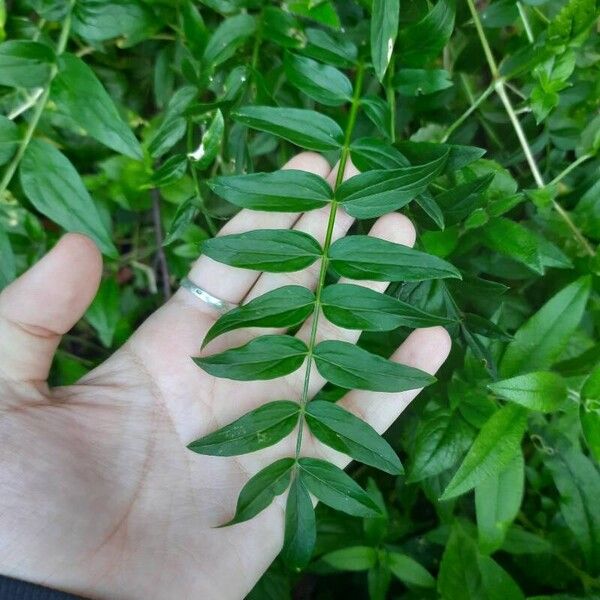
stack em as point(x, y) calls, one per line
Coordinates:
point(305, 128)
point(287, 190)
point(351, 367)
point(265, 357)
point(283, 307)
point(366, 257)
point(262, 488)
point(335, 488)
point(341, 430)
point(260, 428)
point(271, 250)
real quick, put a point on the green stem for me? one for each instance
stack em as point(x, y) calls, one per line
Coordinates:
point(345, 154)
point(209, 220)
point(466, 114)
point(391, 98)
point(533, 167)
point(568, 169)
point(525, 22)
point(39, 107)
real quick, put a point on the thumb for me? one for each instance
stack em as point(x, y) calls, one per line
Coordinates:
point(43, 304)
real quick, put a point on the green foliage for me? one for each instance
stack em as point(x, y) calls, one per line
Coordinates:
point(146, 125)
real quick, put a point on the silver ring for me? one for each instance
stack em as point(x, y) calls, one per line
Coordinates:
point(218, 304)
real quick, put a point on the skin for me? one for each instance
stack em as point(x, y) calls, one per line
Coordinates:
point(100, 496)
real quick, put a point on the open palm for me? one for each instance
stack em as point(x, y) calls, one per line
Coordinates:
point(100, 496)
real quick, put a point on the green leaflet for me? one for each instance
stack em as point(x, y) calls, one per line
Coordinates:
point(441, 440)
point(384, 28)
point(262, 488)
point(8, 268)
point(331, 47)
point(341, 430)
point(365, 257)
point(230, 34)
point(322, 83)
point(460, 201)
point(9, 139)
point(417, 82)
point(24, 63)
point(258, 429)
point(497, 502)
point(357, 307)
point(375, 153)
point(352, 367)
point(353, 558)
point(281, 191)
point(423, 40)
point(589, 412)
point(283, 28)
point(305, 128)
point(515, 241)
point(543, 391)
point(270, 250)
point(210, 143)
point(265, 357)
point(105, 311)
point(283, 307)
point(300, 526)
point(335, 488)
point(539, 342)
point(172, 170)
point(491, 452)
point(578, 482)
point(376, 193)
point(93, 111)
point(54, 187)
point(409, 571)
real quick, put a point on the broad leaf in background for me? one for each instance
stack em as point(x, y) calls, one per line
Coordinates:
point(265, 357)
point(418, 82)
point(230, 34)
point(365, 257)
point(93, 112)
point(349, 366)
point(354, 558)
point(210, 143)
point(262, 488)
point(283, 307)
point(409, 571)
point(54, 187)
point(357, 307)
point(423, 40)
point(25, 64)
point(497, 502)
point(578, 481)
point(539, 341)
point(271, 250)
point(258, 429)
point(8, 269)
point(305, 128)
point(335, 488)
point(384, 28)
point(9, 139)
point(492, 451)
point(322, 83)
point(543, 391)
point(105, 311)
point(300, 526)
point(281, 191)
point(375, 193)
point(589, 412)
point(344, 432)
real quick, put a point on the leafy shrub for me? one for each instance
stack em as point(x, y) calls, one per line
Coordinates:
point(137, 122)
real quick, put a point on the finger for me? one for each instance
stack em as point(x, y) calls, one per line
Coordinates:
point(393, 227)
point(314, 223)
point(425, 349)
point(43, 304)
point(229, 283)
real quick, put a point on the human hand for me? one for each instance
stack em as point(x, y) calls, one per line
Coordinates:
point(100, 495)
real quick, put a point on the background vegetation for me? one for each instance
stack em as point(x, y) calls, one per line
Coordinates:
point(101, 104)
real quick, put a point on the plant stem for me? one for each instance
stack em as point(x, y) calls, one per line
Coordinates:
point(466, 114)
point(501, 91)
point(391, 98)
point(345, 154)
point(39, 107)
point(160, 251)
point(525, 22)
point(568, 169)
